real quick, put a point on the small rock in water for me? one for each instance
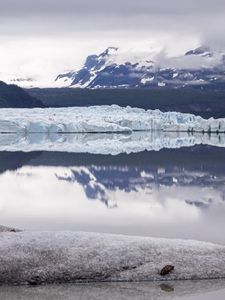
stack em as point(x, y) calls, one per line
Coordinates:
point(166, 270)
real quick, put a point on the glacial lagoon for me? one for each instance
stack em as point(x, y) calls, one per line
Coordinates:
point(171, 193)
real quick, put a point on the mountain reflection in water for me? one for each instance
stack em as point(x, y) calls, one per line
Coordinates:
point(170, 193)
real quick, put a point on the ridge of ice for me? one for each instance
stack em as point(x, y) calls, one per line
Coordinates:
point(99, 119)
point(79, 256)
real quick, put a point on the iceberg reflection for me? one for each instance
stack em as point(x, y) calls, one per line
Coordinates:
point(107, 143)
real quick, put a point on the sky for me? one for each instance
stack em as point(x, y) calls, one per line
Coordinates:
point(51, 36)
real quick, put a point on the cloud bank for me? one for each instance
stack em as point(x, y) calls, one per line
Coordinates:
point(49, 36)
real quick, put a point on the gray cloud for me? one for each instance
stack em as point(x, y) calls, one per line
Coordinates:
point(57, 34)
point(127, 7)
point(204, 18)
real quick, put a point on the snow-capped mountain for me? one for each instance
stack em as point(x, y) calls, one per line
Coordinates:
point(115, 68)
point(201, 51)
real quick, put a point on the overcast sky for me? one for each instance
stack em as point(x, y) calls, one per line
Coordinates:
point(55, 35)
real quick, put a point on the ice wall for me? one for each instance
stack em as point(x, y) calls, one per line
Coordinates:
point(102, 119)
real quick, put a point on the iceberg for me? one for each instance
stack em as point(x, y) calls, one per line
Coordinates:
point(57, 257)
point(103, 119)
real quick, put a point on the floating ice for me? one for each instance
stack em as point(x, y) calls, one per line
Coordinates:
point(71, 257)
point(102, 119)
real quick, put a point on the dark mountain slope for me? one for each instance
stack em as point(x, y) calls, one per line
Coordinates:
point(206, 103)
point(14, 96)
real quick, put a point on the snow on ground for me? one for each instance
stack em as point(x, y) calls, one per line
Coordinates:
point(110, 143)
point(52, 257)
point(102, 119)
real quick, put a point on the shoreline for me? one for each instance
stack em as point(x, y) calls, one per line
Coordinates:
point(102, 291)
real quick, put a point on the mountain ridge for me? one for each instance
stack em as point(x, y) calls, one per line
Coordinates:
point(116, 69)
point(12, 96)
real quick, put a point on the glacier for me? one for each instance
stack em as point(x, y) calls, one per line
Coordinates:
point(57, 257)
point(103, 119)
point(105, 130)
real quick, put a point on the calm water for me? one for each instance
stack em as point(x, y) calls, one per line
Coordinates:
point(170, 193)
point(177, 193)
point(196, 290)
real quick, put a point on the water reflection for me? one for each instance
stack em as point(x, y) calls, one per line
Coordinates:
point(171, 193)
point(110, 143)
point(172, 290)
